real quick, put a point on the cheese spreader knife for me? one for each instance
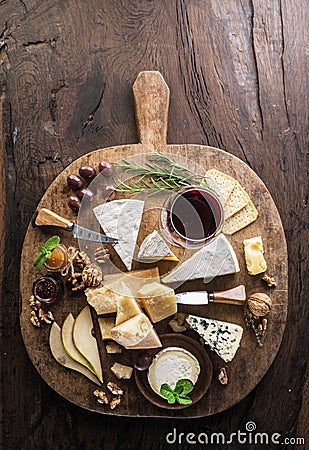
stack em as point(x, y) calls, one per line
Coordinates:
point(235, 296)
point(47, 217)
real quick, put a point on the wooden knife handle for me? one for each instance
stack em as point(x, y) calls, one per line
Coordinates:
point(47, 217)
point(235, 296)
point(151, 98)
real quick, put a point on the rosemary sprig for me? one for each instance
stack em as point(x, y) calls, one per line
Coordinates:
point(169, 175)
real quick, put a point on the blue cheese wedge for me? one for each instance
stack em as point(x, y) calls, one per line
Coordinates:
point(154, 248)
point(121, 219)
point(213, 259)
point(222, 337)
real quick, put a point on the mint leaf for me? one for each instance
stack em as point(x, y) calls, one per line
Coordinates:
point(178, 390)
point(40, 260)
point(183, 400)
point(52, 243)
point(166, 390)
point(178, 394)
point(171, 399)
point(184, 387)
point(42, 250)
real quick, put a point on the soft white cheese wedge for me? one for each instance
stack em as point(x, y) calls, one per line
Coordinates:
point(121, 219)
point(170, 365)
point(154, 248)
point(222, 337)
point(213, 259)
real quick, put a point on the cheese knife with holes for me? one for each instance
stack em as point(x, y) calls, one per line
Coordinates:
point(234, 296)
point(47, 217)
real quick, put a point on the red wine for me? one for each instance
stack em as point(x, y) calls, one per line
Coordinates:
point(195, 214)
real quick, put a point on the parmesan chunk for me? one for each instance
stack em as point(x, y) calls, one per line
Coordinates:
point(127, 308)
point(106, 324)
point(103, 299)
point(122, 372)
point(113, 347)
point(152, 340)
point(159, 301)
point(132, 331)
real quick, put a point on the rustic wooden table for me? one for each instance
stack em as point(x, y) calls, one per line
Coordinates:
point(237, 74)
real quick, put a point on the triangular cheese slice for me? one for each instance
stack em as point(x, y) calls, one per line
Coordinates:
point(152, 340)
point(222, 337)
point(154, 248)
point(121, 219)
point(213, 259)
point(127, 308)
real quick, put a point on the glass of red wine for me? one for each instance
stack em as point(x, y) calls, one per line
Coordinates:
point(192, 217)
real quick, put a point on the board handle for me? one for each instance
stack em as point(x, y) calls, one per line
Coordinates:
point(235, 296)
point(151, 99)
point(47, 217)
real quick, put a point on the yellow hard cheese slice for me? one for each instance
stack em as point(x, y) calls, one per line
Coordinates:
point(159, 301)
point(106, 324)
point(127, 308)
point(254, 255)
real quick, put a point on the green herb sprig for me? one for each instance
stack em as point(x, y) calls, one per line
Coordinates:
point(45, 252)
point(160, 173)
point(179, 394)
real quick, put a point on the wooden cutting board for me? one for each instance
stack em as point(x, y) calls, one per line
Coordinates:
point(151, 95)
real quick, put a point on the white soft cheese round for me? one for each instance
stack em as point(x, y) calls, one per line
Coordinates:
point(170, 365)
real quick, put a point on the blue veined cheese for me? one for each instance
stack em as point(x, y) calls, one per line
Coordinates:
point(222, 337)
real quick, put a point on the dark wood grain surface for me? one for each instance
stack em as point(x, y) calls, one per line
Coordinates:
point(237, 72)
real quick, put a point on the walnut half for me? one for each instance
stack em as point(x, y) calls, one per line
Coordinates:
point(222, 377)
point(259, 304)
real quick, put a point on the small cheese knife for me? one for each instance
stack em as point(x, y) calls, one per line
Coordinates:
point(47, 217)
point(235, 296)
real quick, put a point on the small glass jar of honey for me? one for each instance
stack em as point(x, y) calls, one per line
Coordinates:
point(58, 259)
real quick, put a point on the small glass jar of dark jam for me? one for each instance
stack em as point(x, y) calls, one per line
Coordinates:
point(48, 289)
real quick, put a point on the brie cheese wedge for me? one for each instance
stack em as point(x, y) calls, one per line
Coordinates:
point(154, 248)
point(121, 219)
point(213, 259)
point(222, 337)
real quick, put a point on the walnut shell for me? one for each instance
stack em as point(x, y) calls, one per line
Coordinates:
point(259, 304)
point(92, 275)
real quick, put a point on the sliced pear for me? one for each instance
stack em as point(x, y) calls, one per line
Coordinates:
point(68, 343)
point(85, 342)
point(60, 355)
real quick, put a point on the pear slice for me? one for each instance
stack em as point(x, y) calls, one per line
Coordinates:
point(85, 342)
point(60, 355)
point(68, 343)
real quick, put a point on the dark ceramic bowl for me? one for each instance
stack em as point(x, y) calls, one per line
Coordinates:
point(204, 379)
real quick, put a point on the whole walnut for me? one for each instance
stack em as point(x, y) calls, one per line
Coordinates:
point(259, 304)
point(92, 275)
